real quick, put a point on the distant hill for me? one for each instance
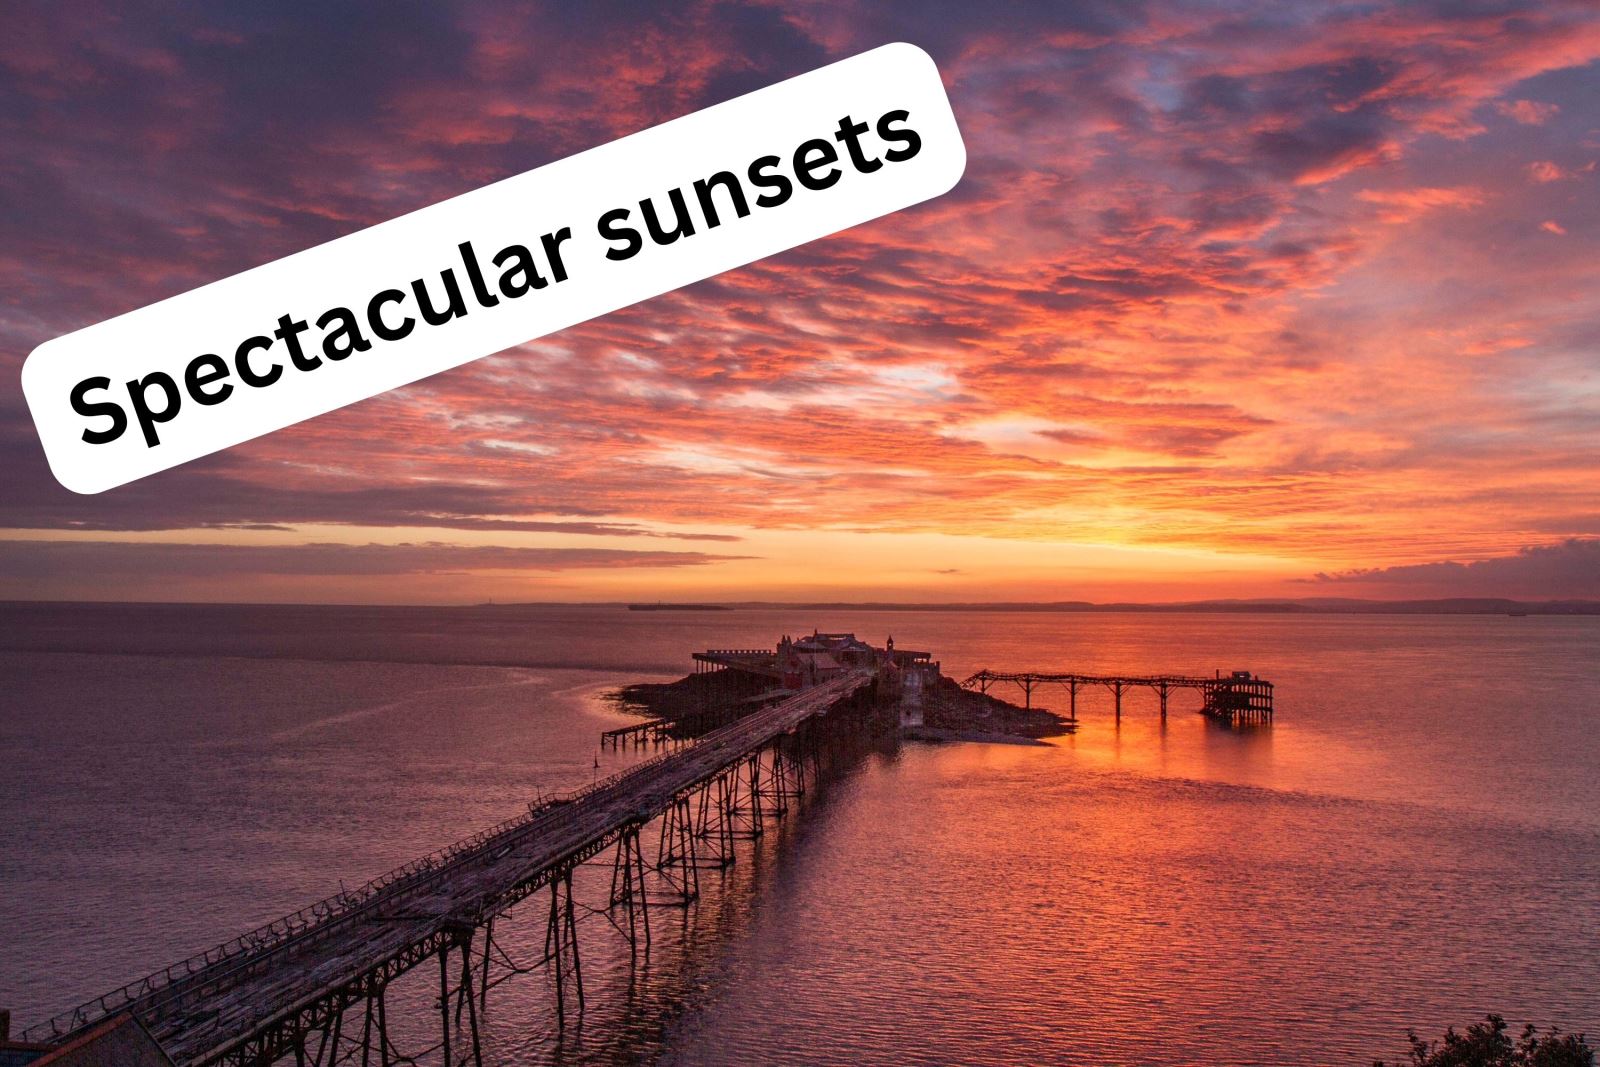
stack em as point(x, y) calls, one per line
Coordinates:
point(663, 606)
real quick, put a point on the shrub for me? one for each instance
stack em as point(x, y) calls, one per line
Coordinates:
point(1487, 1044)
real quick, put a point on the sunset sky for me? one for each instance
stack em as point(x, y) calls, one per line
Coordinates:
point(1234, 300)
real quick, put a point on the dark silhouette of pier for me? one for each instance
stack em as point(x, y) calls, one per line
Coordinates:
point(312, 985)
point(1238, 698)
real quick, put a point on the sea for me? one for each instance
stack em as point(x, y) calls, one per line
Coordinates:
point(1412, 843)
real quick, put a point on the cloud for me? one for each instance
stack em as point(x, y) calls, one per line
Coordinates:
point(1528, 112)
point(1237, 277)
point(26, 560)
point(406, 572)
point(1403, 205)
point(1546, 171)
point(1569, 570)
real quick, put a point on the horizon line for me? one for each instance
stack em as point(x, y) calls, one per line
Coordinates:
point(1310, 605)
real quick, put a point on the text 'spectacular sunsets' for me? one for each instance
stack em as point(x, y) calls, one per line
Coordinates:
point(175, 369)
point(387, 314)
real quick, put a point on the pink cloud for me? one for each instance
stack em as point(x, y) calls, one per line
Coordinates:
point(1528, 112)
point(1403, 205)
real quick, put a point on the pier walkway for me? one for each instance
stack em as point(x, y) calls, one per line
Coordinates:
point(287, 988)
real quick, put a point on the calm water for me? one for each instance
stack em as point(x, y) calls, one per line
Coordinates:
point(1415, 842)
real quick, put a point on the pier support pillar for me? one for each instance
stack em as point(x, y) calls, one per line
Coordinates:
point(745, 787)
point(794, 761)
point(483, 977)
point(627, 890)
point(466, 997)
point(330, 1038)
point(785, 782)
point(444, 1002)
point(675, 856)
point(561, 946)
point(714, 822)
point(384, 1046)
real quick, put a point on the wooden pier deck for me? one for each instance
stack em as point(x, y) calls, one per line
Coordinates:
point(265, 994)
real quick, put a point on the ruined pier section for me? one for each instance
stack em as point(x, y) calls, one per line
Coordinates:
point(1237, 699)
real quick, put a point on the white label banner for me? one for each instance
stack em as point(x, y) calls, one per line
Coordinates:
point(493, 268)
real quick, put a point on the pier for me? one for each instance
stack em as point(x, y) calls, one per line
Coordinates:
point(310, 988)
point(1238, 698)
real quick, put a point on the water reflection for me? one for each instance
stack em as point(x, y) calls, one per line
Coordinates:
point(1416, 839)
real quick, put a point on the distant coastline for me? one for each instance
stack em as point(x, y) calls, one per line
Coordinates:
point(663, 606)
